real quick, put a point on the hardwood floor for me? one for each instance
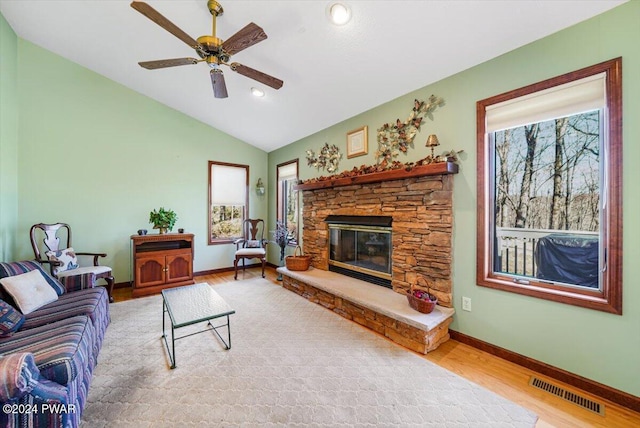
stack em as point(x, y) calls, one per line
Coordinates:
point(500, 376)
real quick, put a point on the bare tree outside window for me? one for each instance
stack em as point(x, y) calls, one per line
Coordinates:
point(547, 183)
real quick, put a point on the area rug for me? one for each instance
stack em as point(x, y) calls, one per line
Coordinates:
point(292, 363)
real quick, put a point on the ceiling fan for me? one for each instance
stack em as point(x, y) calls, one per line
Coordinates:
point(212, 50)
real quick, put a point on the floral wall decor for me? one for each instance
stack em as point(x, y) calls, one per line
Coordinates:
point(394, 138)
point(328, 158)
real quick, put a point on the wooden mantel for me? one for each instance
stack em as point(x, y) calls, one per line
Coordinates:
point(392, 174)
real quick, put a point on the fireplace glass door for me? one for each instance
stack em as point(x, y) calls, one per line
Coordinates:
point(362, 249)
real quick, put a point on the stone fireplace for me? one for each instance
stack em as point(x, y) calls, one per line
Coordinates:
point(419, 204)
point(393, 225)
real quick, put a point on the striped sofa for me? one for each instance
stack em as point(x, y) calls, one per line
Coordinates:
point(47, 365)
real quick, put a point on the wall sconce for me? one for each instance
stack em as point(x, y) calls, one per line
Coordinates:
point(432, 141)
point(260, 187)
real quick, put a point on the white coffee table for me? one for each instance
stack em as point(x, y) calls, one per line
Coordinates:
point(190, 305)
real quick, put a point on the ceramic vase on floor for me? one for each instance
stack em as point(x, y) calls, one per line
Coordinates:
point(279, 278)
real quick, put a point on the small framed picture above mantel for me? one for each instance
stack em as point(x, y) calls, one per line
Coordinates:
point(357, 142)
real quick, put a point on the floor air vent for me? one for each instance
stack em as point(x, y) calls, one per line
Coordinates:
point(574, 398)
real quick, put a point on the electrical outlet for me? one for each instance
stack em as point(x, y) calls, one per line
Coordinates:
point(466, 304)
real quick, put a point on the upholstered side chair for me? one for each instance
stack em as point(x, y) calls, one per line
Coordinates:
point(252, 245)
point(62, 259)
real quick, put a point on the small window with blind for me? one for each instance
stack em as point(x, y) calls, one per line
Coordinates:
point(288, 213)
point(549, 189)
point(228, 201)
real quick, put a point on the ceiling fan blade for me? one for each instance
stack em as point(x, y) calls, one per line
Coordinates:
point(246, 37)
point(257, 75)
point(217, 81)
point(163, 63)
point(156, 17)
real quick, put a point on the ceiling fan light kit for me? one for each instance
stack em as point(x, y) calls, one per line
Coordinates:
point(211, 49)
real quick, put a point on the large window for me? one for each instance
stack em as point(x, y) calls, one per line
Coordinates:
point(549, 189)
point(287, 177)
point(228, 201)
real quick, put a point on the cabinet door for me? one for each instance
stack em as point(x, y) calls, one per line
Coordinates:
point(150, 271)
point(179, 268)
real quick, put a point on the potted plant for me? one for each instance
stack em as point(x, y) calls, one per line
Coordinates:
point(282, 237)
point(163, 219)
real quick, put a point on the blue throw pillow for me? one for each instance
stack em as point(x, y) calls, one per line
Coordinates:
point(17, 268)
point(10, 319)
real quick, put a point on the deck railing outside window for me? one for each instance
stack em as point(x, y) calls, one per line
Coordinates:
point(515, 249)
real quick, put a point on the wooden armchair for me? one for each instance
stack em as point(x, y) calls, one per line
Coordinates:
point(252, 245)
point(62, 258)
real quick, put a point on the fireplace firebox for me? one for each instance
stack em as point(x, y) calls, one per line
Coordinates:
point(360, 247)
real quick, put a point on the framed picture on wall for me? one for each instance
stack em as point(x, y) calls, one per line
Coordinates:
point(357, 142)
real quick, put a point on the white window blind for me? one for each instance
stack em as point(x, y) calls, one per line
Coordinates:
point(575, 97)
point(288, 171)
point(228, 185)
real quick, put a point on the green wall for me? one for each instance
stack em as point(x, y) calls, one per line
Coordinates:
point(80, 148)
point(100, 157)
point(596, 345)
point(8, 140)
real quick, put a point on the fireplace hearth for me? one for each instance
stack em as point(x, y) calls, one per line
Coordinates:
point(360, 247)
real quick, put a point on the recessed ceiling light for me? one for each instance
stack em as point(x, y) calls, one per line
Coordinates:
point(339, 13)
point(257, 92)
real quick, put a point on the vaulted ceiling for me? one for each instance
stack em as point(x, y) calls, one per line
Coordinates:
point(330, 72)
